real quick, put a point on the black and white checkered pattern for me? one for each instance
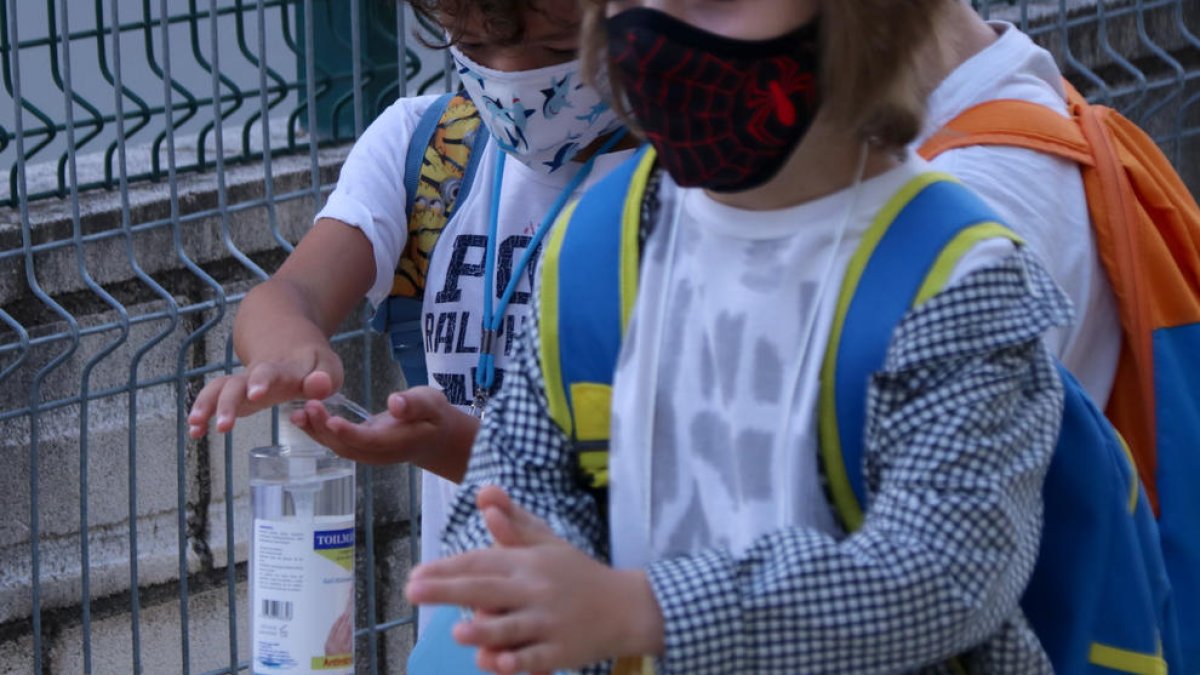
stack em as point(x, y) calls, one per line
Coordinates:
point(961, 425)
point(521, 448)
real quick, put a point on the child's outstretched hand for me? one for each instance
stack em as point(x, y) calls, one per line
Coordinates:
point(262, 385)
point(420, 426)
point(539, 603)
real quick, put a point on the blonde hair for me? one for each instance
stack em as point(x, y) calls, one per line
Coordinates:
point(871, 56)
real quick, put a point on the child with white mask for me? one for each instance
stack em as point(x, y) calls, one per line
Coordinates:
point(518, 65)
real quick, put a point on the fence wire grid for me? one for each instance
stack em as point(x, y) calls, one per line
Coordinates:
point(162, 156)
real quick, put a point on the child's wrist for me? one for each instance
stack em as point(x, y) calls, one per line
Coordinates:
point(452, 447)
point(642, 625)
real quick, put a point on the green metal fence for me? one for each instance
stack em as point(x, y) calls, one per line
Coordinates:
point(135, 30)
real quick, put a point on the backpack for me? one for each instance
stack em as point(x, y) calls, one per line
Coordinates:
point(1147, 228)
point(1099, 531)
point(439, 168)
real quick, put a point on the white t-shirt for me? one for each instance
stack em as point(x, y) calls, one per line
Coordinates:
point(370, 196)
point(748, 432)
point(1039, 196)
point(719, 371)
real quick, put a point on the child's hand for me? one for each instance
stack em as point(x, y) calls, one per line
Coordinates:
point(263, 385)
point(414, 425)
point(540, 604)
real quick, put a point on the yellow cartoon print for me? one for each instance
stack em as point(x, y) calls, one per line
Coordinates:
point(442, 172)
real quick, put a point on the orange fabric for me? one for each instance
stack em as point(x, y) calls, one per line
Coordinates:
point(1147, 228)
point(1012, 122)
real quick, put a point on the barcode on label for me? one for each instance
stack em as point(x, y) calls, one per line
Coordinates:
point(277, 609)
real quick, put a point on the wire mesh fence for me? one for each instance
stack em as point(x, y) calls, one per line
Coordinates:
point(1141, 57)
point(160, 157)
point(207, 88)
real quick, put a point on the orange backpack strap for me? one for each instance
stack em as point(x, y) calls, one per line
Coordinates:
point(1147, 233)
point(1013, 123)
point(1123, 171)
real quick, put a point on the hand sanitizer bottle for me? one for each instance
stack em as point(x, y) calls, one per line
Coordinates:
point(301, 556)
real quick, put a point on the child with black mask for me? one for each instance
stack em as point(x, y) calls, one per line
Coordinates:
point(727, 555)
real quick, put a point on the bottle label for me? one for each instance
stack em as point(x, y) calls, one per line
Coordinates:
point(303, 595)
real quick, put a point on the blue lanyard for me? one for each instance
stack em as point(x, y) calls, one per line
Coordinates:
point(485, 372)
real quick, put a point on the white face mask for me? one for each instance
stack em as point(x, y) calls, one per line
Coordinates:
point(541, 117)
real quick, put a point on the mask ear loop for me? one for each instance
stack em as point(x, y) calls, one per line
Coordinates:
point(787, 505)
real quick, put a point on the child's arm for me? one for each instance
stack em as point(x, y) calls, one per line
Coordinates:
point(282, 329)
point(962, 422)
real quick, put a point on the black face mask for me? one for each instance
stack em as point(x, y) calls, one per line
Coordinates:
point(723, 114)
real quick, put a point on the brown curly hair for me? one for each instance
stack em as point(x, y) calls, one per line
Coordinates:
point(878, 88)
point(503, 20)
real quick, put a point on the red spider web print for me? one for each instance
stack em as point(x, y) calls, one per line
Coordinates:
point(717, 121)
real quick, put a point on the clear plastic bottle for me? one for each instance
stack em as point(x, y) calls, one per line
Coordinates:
point(301, 555)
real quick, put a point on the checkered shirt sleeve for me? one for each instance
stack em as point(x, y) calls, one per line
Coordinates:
point(962, 421)
point(961, 424)
point(520, 448)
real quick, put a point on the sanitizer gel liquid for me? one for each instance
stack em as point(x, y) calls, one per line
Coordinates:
point(301, 556)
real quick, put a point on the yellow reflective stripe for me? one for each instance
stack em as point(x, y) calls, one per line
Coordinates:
point(844, 501)
point(1133, 477)
point(548, 349)
point(631, 217)
point(963, 242)
point(1127, 661)
point(592, 403)
point(595, 464)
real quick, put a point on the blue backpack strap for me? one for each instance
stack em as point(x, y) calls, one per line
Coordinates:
point(393, 309)
point(1098, 598)
point(399, 316)
point(588, 284)
point(1177, 381)
point(477, 144)
point(421, 138)
point(874, 298)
